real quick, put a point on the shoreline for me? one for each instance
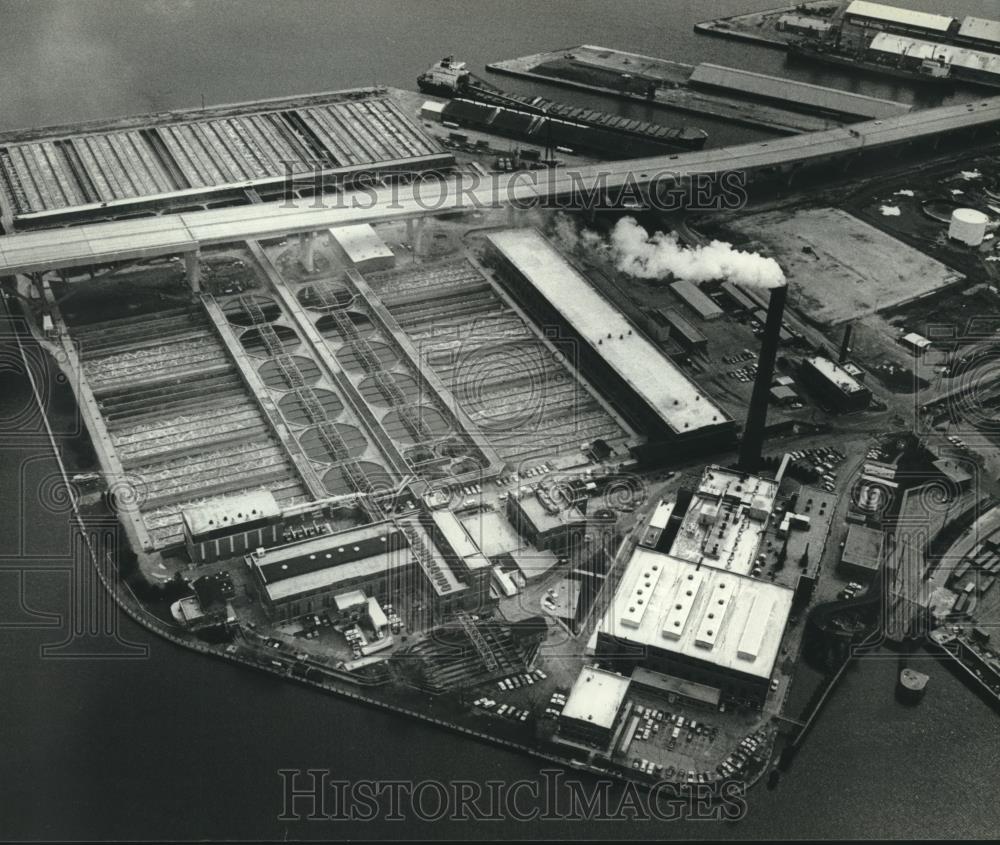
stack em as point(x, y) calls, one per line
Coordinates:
point(125, 600)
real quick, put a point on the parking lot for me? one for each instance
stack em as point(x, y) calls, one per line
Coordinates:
point(693, 744)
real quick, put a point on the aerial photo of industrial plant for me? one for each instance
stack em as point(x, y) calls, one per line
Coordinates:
point(460, 420)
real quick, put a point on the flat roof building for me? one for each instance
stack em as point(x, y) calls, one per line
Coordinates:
point(741, 300)
point(833, 385)
point(726, 520)
point(231, 526)
point(657, 524)
point(862, 554)
point(388, 560)
point(364, 248)
point(803, 25)
point(893, 18)
point(981, 32)
point(783, 395)
point(594, 706)
point(679, 329)
point(697, 622)
point(645, 383)
point(915, 342)
point(542, 521)
point(695, 299)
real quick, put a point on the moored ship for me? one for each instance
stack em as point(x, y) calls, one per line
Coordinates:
point(928, 70)
point(453, 79)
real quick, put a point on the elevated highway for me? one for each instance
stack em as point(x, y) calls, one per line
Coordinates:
point(184, 233)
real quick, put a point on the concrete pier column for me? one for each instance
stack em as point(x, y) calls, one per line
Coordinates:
point(307, 244)
point(511, 216)
point(192, 264)
point(26, 286)
point(409, 230)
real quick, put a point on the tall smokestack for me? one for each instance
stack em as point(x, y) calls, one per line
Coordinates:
point(845, 346)
point(753, 432)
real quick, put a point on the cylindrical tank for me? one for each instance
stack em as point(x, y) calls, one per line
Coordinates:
point(968, 226)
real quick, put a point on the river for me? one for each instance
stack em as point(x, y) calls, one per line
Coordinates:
point(181, 747)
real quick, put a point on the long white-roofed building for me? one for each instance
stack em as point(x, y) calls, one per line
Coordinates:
point(645, 384)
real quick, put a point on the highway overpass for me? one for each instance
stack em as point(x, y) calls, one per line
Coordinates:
point(184, 233)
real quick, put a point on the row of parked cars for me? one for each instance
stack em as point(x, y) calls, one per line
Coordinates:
point(531, 472)
point(750, 747)
point(508, 710)
point(557, 701)
point(824, 460)
point(525, 679)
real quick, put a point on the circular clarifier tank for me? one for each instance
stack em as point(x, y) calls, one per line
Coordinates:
point(274, 377)
point(330, 327)
point(375, 396)
point(253, 341)
point(294, 411)
point(240, 312)
point(324, 297)
point(318, 449)
point(338, 482)
point(431, 424)
point(351, 360)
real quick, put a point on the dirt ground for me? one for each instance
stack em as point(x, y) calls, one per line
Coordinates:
point(841, 268)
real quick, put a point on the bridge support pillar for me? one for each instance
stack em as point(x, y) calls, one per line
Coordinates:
point(409, 230)
point(26, 286)
point(192, 265)
point(307, 247)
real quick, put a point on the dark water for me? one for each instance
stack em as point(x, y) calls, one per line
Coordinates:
point(175, 746)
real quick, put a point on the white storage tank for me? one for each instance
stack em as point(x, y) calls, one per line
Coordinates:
point(968, 226)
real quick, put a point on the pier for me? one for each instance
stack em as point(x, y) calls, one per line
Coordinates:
point(652, 81)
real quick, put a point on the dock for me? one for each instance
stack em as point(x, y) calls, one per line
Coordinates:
point(748, 99)
point(772, 27)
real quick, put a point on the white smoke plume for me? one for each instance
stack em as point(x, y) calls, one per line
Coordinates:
point(645, 256)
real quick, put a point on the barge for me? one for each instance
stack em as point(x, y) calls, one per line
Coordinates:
point(453, 80)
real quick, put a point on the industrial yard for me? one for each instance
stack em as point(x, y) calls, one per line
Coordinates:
point(597, 483)
point(843, 268)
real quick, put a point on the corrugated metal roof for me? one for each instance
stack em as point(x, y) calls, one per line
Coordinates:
point(792, 91)
point(903, 17)
point(981, 28)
